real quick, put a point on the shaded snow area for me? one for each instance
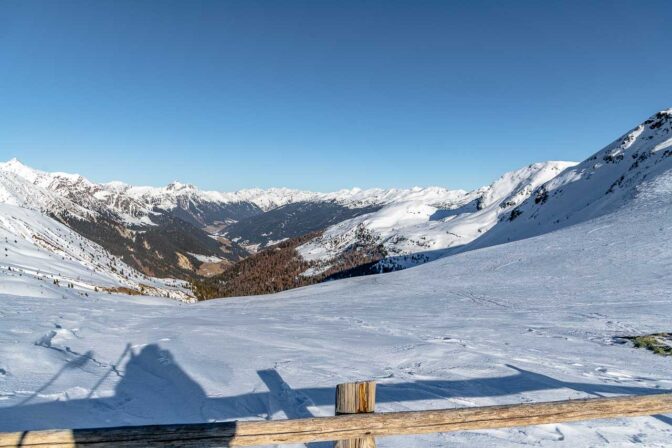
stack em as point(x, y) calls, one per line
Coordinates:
point(528, 321)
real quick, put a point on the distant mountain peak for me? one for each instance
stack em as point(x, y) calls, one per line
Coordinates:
point(179, 186)
point(15, 166)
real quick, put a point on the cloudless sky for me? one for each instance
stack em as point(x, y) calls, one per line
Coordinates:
point(324, 95)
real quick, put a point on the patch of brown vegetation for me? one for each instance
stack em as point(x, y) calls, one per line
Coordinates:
point(208, 269)
point(280, 267)
point(123, 290)
point(184, 262)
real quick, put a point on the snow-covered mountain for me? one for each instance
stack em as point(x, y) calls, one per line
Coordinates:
point(181, 231)
point(600, 184)
point(531, 201)
point(423, 224)
point(41, 257)
point(137, 205)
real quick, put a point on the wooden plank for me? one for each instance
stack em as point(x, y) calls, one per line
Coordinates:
point(250, 433)
point(356, 398)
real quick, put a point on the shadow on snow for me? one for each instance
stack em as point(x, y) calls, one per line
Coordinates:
point(154, 389)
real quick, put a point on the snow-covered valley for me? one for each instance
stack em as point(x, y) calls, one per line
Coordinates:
point(532, 320)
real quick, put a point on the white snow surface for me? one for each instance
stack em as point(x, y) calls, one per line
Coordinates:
point(528, 321)
point(206, 258)
point(431, 221)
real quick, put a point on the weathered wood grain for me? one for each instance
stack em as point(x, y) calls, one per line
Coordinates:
point(356, 398)
point(250, 433)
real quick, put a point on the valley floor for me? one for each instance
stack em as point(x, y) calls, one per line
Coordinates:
point(528, 321)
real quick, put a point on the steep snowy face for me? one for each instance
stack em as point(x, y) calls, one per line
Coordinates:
point(42, 257)
point(600, 184)
point(419, 224)
point(27, 188)
point(57, 192)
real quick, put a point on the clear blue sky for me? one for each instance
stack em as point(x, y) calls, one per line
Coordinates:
point(324, 95)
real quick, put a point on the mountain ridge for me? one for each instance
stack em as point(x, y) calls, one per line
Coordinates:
point(265, 199)
point(181, 231)
point(580, 191)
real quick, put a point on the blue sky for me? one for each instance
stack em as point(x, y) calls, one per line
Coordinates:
point(324, 95)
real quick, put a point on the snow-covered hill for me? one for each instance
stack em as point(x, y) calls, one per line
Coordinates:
point(42, 257)
point(424, 223)
point(602, 183)
point(534, 200)
point(533, 320)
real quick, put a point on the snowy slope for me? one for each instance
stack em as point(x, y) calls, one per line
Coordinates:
point(42, 257)
point(534, 200)
point(532, 320)
point(602, 183)
point(18, 190)
point(418, 227)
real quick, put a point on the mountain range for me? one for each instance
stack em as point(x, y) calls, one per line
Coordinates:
point(258, 241)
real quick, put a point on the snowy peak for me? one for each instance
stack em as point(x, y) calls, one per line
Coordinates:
point(43, 179)
point(600, 184)
point(28, 188)
point(14, 166)
point(137, 204)
point(178, 186)
point(533, 200)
